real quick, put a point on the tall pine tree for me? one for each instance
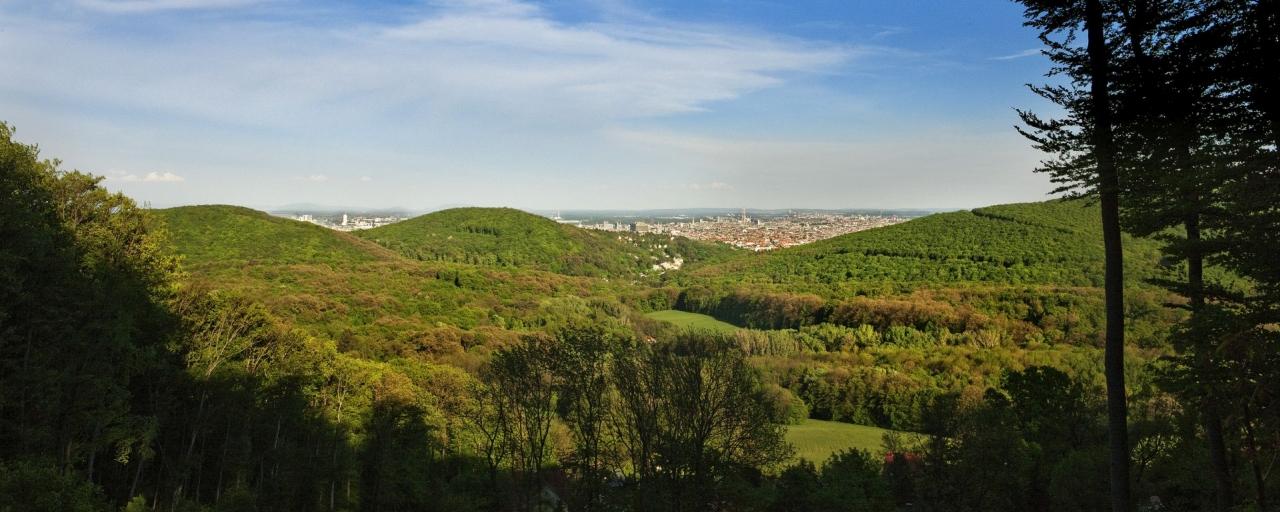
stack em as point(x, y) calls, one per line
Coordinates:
point(1083, 149)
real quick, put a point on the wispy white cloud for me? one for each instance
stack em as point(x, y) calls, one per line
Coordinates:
point(641, 67)
point(1024, 53)
point(366, 179)
point(889, 32)
point(143, 6)
point(497, 57)
point(151, 177)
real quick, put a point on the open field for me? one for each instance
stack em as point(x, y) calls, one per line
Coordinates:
point(816, 440)
point(692, 320)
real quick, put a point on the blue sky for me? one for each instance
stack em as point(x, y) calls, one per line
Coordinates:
point(536, 105)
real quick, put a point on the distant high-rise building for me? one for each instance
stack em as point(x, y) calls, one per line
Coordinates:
point(344, 219)
point(744, 215)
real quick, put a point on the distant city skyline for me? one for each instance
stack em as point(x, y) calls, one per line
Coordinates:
point(630, 104)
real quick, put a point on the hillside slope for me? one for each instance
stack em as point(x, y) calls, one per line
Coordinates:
point(1047, 243)
point(371, 300)
point(1028, 269)
point(219, 234)
point(506, 237)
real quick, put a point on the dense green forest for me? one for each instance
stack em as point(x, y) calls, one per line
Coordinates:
point(875, 361)
point(369, 300)
point(1047, 243)
point(506, 237)
point(1024, 272)
point(233, 235)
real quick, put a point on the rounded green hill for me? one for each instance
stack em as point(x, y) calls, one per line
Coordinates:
point(507, 237)
point(223, 233)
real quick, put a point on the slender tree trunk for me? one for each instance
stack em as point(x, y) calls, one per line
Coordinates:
point(1212, 413)
point(1138, 23)
point(160, 476)
point(222, 463)
point(1218, 455)
point(66, 456)
point(195, 427)
point(332, 473)
point(199, 486)
point(137, 475)
point(1259, 480)
point(248, 451)
point(93, 451)
point(24, 421)
point(1109, 192)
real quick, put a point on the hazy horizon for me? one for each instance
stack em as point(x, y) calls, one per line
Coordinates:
point(338, 208)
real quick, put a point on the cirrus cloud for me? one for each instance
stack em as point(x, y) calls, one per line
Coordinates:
point(500, 57)
point(151, 177)
point(1018, 55)
point(144, 6)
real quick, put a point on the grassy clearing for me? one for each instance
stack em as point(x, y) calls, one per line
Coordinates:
point(692, 320)
point(816, 440)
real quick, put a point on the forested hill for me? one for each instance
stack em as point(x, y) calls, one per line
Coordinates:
point(373, 301)
point(222, 234)
point(1046, 243)
point(1030, 271)
point(507, 237)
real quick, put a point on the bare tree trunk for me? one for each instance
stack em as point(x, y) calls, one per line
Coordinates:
point(1259, 480)
point(195, 426)
point(222, 463)
point(200, 468)
point(1109, 192)
point(332, 477)
point(93, 451)
point(137, 475)
point(177, 492)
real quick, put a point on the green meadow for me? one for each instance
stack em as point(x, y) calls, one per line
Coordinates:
point(692, 320)
point(816, 440)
